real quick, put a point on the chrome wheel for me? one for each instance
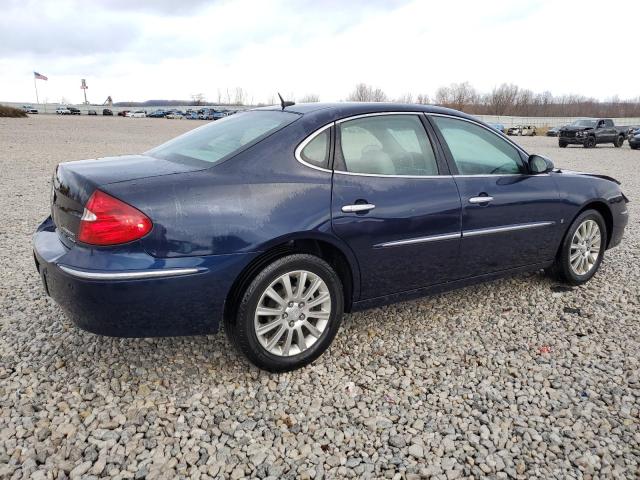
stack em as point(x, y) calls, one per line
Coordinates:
point(292, 313)
point(585, 247)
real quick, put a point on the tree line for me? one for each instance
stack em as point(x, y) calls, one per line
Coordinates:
point(508, 99)
point(505, 99)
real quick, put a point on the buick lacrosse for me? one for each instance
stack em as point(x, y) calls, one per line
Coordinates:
point(278, 220)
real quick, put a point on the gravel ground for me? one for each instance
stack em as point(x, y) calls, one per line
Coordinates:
point(519, 378)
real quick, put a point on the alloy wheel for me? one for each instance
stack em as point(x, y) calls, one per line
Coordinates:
point(585, 247)
point(292, 313)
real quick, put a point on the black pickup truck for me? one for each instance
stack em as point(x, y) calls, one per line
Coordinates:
point(591, 131)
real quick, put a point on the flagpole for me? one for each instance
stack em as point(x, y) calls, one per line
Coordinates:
point(36, 87)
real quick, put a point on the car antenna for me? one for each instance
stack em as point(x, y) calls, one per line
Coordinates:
point(285, 103)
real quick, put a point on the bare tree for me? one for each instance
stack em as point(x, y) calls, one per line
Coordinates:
point(457, 95)
point(240, 96)
point(379, 96)
point(310, 98)
point(198, 99)
point(502, 99)
point(405, 98)
point(366, 93)
point(422, 99)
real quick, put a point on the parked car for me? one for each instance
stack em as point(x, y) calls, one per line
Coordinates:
point(217, 115)
point(107, 111)
point(74, 110)
point(63, 111)
point(634, 140)
point(137, 114)
point(204, 114)
point(192, 116)
point(630, 130)
point(498, 126)
point(522, 130)
point(174, 115)
point(29, 109)
point(260, 222)
point(92, 112)
point(157, 114)
point(554, 131)
point(589, 132)
point(123, 113)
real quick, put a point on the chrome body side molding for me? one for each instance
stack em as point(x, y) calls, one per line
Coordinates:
point(128, 275)
point(466, 233)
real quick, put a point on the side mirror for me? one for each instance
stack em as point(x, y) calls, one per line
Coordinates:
point(539, 164)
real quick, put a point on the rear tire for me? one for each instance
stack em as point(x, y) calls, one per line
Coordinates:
point(619, 141)
point(582, 249)
point(303, 321)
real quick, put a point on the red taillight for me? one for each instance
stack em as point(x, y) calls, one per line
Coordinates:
point(109, 221)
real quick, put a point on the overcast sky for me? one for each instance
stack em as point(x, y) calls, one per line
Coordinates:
point(151, 49)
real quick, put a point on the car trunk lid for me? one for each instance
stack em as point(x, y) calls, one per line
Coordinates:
point(74, 182)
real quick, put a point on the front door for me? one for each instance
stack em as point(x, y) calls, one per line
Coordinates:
point(394, 203)
point(509, 217)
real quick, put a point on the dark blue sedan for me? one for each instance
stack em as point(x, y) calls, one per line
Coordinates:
point(277, 220)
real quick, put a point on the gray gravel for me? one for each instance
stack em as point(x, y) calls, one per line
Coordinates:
point(513, 379)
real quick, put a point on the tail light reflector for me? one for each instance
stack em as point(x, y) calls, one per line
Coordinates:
point(109, 221)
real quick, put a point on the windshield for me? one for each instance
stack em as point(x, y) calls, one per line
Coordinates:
point(584, 123)
point(216, 141)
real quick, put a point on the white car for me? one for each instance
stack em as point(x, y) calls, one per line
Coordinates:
point(63, 111)
point(29, 109)
point(137, 114)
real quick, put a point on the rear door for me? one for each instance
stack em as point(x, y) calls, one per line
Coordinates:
point(509, 217)
point(395, 203)
point(610, 128)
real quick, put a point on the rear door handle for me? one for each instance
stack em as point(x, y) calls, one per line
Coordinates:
point(485, 199)
point(358, 207)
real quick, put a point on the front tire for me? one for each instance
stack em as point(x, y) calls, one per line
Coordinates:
point(590, 142)
point(289, 314)
point(562, 144)
point(582, 249)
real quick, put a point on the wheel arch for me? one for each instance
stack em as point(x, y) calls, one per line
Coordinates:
point(603, 209)
point(323, 246)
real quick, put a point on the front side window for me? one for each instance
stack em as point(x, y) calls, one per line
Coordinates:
point(387, 145)
point(219, 140)
point(316, 152)
point(476, 150)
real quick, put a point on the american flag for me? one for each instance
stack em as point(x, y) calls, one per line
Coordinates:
point(39, 76)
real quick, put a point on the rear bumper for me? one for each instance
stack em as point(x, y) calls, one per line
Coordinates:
point(123, 297)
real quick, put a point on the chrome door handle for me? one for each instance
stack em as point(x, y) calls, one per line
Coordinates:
point(475, 200)
point(358, 207)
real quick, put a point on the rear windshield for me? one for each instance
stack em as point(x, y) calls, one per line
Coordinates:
point(223, 138)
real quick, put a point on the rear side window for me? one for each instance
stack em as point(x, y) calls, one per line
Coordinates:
point(477, 150)
point(608, 123)
point(387, 145)
point(221, 139)
point(316, 152)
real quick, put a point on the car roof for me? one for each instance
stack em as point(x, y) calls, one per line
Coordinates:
point(347, 109)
